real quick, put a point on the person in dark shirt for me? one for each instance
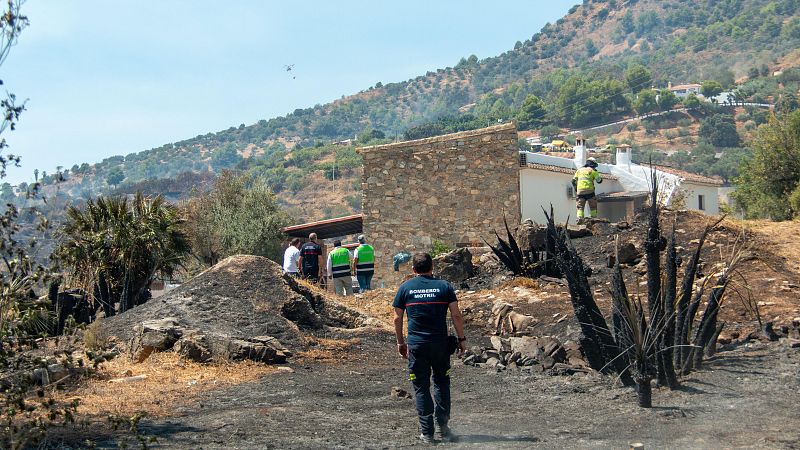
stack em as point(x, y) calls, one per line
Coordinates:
point(311, 258)
point(426, 300)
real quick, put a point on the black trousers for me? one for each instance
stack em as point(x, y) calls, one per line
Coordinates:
point(424, 361)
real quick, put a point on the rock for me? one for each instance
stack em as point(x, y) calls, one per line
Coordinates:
point(547, 362)
point(579, 231)
point(154, 336)
point(194, 347)
point(264, 349)
point(530, 235)
point(628, 253)
point(601, 228)
point(525, 345)
point(492, 362)
point(769, 333)
point(41, 376)
point(500, 344)
point(577, 362)
point(399, 393)
point(56, 372)
point(455, 266)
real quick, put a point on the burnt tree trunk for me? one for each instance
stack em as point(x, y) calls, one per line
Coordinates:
point(653, 247)
point(681, 341)
point(667, 339)
point(687, 363)
point(708, 323)
point(644, 392)
point(711, 347)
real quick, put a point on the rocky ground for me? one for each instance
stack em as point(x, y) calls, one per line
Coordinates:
point(342, 388)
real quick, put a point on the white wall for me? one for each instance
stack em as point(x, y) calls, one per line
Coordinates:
point(710, 197)
point(540, 188)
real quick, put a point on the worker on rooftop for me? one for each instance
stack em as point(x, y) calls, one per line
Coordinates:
point(583, 182)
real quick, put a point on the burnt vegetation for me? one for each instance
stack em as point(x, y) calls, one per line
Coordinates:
point(663, 333)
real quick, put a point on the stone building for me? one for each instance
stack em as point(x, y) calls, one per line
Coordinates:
point(454, 188)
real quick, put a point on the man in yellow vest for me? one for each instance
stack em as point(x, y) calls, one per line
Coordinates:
point(364, 264)
point(339, 269)
point(584, 181)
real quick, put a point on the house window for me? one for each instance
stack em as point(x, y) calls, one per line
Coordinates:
point(701, 202)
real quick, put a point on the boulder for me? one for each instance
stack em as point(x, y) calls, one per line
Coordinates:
point(526, 346)
point(194, 347)
point(262, 349)
point(455, 266)
point(628, 253)
point(500, 344)
point(529, 234)
point(154, 336)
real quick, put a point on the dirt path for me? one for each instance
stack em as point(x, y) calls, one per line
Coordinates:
point(745, 398)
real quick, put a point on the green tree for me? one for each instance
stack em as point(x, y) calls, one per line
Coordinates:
point(645, 102)
point(638, 78)
point(225, 157)
point(240, 215)
point(767, 181)
point(591, 48)
point(719, 130)
point(666, 99)
point(549, 132)
point(115, 176)
point(691, 101)
point(710, 88)
point(532, 114)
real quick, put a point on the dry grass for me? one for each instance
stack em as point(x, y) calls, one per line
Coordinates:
point(169, 382)
point(523, 282)
point(328, 350)
point(376, 303)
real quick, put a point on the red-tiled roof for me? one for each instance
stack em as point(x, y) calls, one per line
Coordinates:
point(691, 177)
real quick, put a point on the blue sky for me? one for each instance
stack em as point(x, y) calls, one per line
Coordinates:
point(105, 78)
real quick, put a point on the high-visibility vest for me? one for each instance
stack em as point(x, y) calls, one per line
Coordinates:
point(586, 177)
point(366, 260)
point(340, 262)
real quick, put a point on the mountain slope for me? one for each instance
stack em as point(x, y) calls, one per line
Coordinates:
point(680, 41)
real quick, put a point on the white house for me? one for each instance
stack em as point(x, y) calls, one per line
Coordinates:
point(546, 180)
point(682, 90)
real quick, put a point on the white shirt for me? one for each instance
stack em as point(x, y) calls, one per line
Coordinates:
point(290, 258)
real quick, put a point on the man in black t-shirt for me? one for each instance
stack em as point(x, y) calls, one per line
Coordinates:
point(311, 258)
point(426, 300)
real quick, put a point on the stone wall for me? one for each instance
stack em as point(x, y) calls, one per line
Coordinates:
point(453, 188)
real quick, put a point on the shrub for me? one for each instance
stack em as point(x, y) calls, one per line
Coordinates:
point(439, 248)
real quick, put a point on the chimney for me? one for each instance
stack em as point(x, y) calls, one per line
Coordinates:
point(624, 156)
point(580, 152)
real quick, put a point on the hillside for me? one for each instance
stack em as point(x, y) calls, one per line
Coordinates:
point(576, 66)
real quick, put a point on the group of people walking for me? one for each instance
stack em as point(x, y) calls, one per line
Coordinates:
point(306, 262)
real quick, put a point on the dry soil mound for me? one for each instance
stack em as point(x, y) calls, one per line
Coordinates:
point(242, 297)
